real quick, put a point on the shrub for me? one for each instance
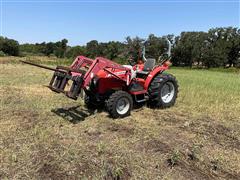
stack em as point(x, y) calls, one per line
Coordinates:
point(2, 54)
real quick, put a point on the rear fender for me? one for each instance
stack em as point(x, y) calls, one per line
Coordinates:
point(152, 74)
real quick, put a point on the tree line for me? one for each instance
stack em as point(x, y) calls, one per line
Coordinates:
point(219, 47)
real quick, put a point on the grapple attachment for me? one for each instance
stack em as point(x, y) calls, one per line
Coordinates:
point(61, 78)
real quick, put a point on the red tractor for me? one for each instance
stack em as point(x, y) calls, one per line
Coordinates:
point(116, 86)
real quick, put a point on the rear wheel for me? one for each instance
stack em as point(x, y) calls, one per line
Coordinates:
point(119, 104)
point(163, 91)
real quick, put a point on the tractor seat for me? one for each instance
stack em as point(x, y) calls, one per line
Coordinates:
point(148, 66)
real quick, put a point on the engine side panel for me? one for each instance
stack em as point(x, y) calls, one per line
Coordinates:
point(107, 82)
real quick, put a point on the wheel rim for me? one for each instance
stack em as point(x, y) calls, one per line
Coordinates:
point(167, 92)
point(122, 106)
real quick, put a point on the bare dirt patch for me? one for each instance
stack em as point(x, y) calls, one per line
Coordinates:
point(46, 165)
point(26, 119)
point(154, 145)
point(51, 170)
point(216, 132)
point(120, 129)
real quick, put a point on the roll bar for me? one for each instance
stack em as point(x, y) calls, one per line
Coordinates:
point(168, 51)
point(169, 47)
point(144, 51)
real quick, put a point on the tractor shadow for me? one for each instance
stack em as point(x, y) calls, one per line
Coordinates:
point(74, 114)
point(77, 114)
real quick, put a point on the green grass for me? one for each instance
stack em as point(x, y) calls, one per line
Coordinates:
point(47, 136)
point(210, 92)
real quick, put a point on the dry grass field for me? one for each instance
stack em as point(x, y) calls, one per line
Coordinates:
point(48, 136)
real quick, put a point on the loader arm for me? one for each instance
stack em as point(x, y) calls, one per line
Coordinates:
point(105, 64)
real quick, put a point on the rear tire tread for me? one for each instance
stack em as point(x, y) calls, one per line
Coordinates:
point(155, 88)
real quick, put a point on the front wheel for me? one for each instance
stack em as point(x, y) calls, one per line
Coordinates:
point(89, 102)
point(119, 104)
point(163, 91)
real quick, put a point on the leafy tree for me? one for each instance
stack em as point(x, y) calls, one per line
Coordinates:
point(222, 47)
point(9, 46)
point(61, 47)
point(28, 48)
point(182, 54)
point(189, 48)
point(92, 49)
point(233, 47)
point(1, 42)
point(75, 51)
point(156, 46)
point(2, 54)
point(219, 47)
point(216, 52)
point(49, 48)
point(113, 49)
point(133, 48)
point(58, 48)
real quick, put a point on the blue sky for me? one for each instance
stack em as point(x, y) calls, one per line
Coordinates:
point(80, 22)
